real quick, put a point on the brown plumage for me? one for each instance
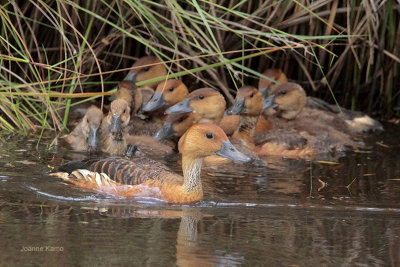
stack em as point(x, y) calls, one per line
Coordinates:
point(147, 178)
point(276, 143)
point(146, 68)
point(314, 118)
point(167, 93)
point(86, 135)
point(207, 103)
point(114, 128)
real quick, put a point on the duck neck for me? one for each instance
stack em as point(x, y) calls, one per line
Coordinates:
point(247, 125)
point(191, 172)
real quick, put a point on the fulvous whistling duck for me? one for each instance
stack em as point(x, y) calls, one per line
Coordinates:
point(276, 78)
point(176, 125)
point(249, 103)
point(114, 128)
point(167, 94)
point(295, 107)
point(146, 68)
point(143, 177)
point(86, 135)
point(207, 103)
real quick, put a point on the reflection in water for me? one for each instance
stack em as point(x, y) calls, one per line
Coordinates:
point(250, 215)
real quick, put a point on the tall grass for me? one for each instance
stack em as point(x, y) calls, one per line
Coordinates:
point(53, 52)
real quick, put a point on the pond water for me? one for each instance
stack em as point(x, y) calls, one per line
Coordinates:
point(251, 215)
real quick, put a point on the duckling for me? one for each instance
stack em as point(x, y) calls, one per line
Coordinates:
point(114, 128)
point(167, 94)
point(266, 85)
point(249, 104)
point(86, 135)
point(293, 111)
point(207, 103)
point(146, 68)
point(143, 177)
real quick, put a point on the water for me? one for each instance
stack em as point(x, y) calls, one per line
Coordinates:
point(250, 216)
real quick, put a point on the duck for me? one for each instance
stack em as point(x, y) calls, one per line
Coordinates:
point(167, 94)
point(340, 125)
point(249, 103)
point(176, 125)
point(86, 134)
point(114, 128)
point(276, 77)
point(143, 177)
point(146, 68)
point(207, 103)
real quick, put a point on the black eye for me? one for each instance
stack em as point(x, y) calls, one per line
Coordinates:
point(283, 92)
point(209, 135)
point(201, 96)
point(180, 120)
point(252, 94)
point(146, 68)
point(171, 89)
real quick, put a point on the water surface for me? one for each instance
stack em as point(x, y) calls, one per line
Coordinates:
point(250, 216)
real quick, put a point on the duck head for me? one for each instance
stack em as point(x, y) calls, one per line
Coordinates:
point(207, 103)
point(206, 139)
point(118, 117)
point(91, 125)
point(146, 68)
point(249, 101)
point(275, 78)
point(291, 99)
point(167, 93)
point(176, 125)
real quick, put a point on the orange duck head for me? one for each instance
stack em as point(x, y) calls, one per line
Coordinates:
point(146, 68)
point(206, 139)
point(249, 101)
point(176, 125)
point(167, 94)
point(207, 103)
point(291, 99)
point(275, 78)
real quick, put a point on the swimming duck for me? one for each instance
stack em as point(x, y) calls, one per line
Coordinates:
point(249, 103)
point(207, 103)
point(146, 68)
point(86, 135)
point(167, 94)
point(297, 109)
point(143, 177)
point(114, 127)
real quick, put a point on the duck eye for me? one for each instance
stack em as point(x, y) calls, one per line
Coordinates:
point(180, 120)
point(146, 68)
point(201, 96)
point(252, 94)
point(209, 135)
point(283, 92)
point(171, 89)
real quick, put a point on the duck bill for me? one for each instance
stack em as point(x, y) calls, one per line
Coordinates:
point(181, 107)
point(264, 91)
point(165, 132)
point(131, 76)
point(94, 138)
point(237, 108)
point(230, 152)
point(156, 102)
point(269, 102)
point(116, 123)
